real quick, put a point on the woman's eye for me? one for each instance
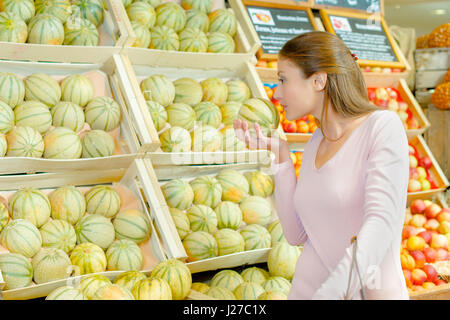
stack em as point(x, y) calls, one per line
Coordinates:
point(280, 80)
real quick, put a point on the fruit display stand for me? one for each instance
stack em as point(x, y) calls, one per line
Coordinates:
point(160, 175)
point(139, 68)
point(435, 172)
point(109, 79)
point(114, 34)
point(127, 182)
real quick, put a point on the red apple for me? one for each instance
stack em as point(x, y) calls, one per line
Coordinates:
point(412, 150)
point(417, 206)
point(426, 235)
point(414, 174)
point(444, 227)
point(407, 262)
point(422, 173)
point(418, 220)
point(414, 185)
point(419, 258)
point(412, 123)
point(413, 161)
point(393, 105)
point(430, 255)
point(408, 217)
point(428, 285)
point(408, 277)
point(432, 211)
point(431, 272)
point(425, 162)
point(439, 282)
point(290, 127)
point(442, 254)
point(444, 215)
point(396, 70)
point(403, 116)
point(408, 231)
point(415, 243)
point(438, 241)
point(419, 277)
point(431, 224)
point(382, 94)
point(402, 106)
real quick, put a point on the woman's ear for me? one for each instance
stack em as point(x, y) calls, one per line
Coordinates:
point(319, 80)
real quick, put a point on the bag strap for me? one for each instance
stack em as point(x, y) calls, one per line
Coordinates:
point(354, 241)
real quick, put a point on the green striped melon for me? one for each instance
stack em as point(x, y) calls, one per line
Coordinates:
point(181, 222)
point(261, 111)
point(24, 9)
point(16, 270)
point(30, 204)
point(202, 218)
point(254, 274)
point(277, 283)
point(112, 292)
point(234, 185)
point(228, 279)
point(208, 113)
point(153, 3)
point(206, 139)
point(197, 20)
point(103, 200)
point(58, 234)
point(200, 5)
point(89, 284)
point(132, 225)
point(164, 38)
point(175, 139)
point(12, 28)
point(230, 112)
point(193, 40)
point(248, 291)
point(181, 115)
point(261, 184)
point(12, 89)
point(200, 287)
point(91, 10)
point(276, 232)
point(158, 114)
point(273, 295)
point(178, 194)
point(222, 20)
point(51, 264)
point(77, 89)
point(143, 35)
point(200, 245)
point(3, 145)
point(4, 216)
point(207, 191)
point(45, 28)
point(61, 9)
point(80, 32)
point(96, 229)
point(68, 114)
point(171, 15)
point(33, 114)
point(24, 142)
point(177, 275)
point(128, 279)
point(6, 118)
point(152, 289)
point(256, 237)
point(238, 91)
point(43, 88)
point(214, 90)
point(282, 260)
point(89, 257)
point(67, 204)
point(229, 215)
point(256, 209)
point(142, 13)
point(230, 141)
point(220, 42)
point(158, 88)
point(21, 236)
point(229, 241)
point(66, 293)
point(103, 113)
point(62, 143)
point(97, 143)
point(188, 90)
point(221, 293)
point(125, 255)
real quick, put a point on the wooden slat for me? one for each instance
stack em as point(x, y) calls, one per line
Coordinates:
point(429, 79)
point(441, 292)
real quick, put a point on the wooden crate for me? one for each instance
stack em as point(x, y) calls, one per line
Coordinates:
point(114, 34)
point(162, 174)
point(432, 59)
point(435, 171)
point(133, 179)
point(139, 67)
point(131, 138)
point(441, 292)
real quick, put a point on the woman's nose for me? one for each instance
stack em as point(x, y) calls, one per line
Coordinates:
point(277, 94)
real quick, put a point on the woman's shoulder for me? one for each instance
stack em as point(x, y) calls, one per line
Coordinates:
point(385, 120)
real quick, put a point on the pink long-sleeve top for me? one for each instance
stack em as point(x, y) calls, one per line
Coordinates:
point(361, 191)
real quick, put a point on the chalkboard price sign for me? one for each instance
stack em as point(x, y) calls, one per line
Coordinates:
point(371, 6)
point(275, 26)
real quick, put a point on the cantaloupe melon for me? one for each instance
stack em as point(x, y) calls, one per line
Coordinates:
point(113, 292)
point(197, 20)
point(96, 144)
point(24, 142)
point(6, 118)
point(132, 224)
point(96, 229)
point(16, 270)
point(282, 260)
point(229, 215)
point(24, 9)
point(188, 90)
point(256, 237)
point(158, 88)
point(30, 204)
point(227, 278)
point(200, 245)
point(175, 139)
point(181, 115)
point(234, 185)
point(89, 9)
point(178, 194)
point(221, 293)
point(89, 257)
point(248, 291)
point(255, 274)
point(142, 13)
point(12, 89)
point(33, 114)
point(128, 279)
point(12, 28)
point(43, 88)
point(51, 264)
point(125, 255)
point(214, 90)
point(90, 283)
point(58, 234)
point(62, 143)
point(202, 218)
point(69, 115)
point(171, 15)
point(67, 204)
point(80, 32)
point(61, 9)
point(207, 191)
point(164, 38)
point(158, 114)
point(206, 138)
point(229, 241)
point(152, 289)
point(45, 28)
point(103, 113)
point(77, 89)
point(256, 209)
point(21, 236)
point(181, 222)
point(66, 293)
point(178, 276)
point(103, 200)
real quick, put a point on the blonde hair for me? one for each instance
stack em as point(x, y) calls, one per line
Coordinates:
point(319, 51)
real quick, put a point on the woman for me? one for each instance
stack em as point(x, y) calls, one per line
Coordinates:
point(352, 182)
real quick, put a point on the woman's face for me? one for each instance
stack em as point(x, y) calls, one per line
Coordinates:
point(299, 96)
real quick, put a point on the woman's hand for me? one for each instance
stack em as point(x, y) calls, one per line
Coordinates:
point(259, 141)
